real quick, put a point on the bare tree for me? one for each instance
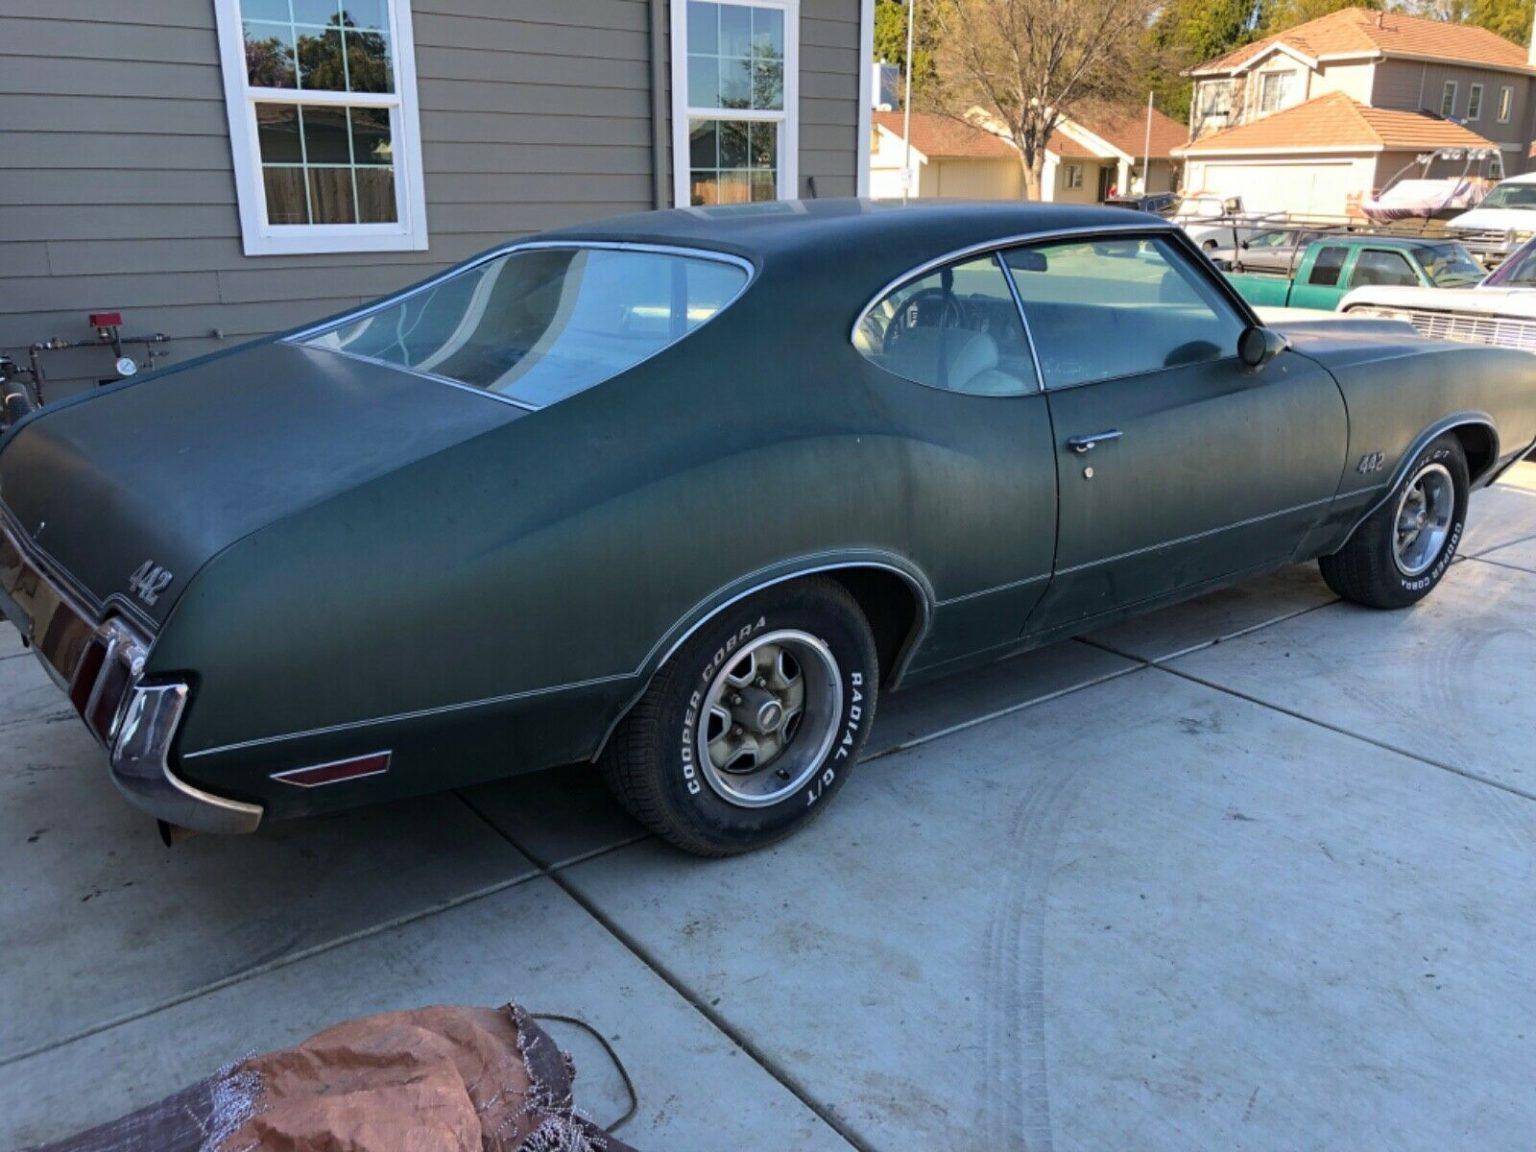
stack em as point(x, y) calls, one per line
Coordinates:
point(1027, 63)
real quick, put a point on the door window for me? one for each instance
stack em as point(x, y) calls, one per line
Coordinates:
point(1119, 306)
point(1327, 266)
point(957, 329)
point(1373, 266)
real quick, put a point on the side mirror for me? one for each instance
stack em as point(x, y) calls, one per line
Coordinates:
point(1245, 244)
point(1257, 346)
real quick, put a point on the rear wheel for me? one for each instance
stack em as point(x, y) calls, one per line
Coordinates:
point(752, 726)
point(1404, 548)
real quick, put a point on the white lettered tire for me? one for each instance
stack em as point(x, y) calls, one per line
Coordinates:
point(753, 725)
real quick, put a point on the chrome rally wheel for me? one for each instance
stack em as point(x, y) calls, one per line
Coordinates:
point(1425, 512)
point(770, 718)
point(754, 724)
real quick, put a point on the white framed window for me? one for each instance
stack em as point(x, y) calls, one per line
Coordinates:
point(1215, 98)
point(1275, 90)
point(1506, 103)
point(1475, 102)
point(1071, 176)
point(735, 101)
point(323, 125)
point(1448, 99)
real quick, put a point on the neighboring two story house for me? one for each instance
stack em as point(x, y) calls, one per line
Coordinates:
point(1317, 117)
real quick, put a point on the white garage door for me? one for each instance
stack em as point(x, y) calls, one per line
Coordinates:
point(1286, 186)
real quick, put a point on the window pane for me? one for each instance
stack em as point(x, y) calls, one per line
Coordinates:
point(371, 15)
point(266, 10)
point(956, 329)
point(1119, 306)
point(1326, 268)
point(370, 136)
point(768, 84)
point(368, 67)
point(768, 32)
point(762, 145)
point(330, 196)
point(765, 185)
point(325, 136)
point(1373, 267)
point(277, 133)
point(375, 195)
point(704, 81)
point(269, 55)
point(733, 143)
point(704, 28)
point(703, 187)
point(285, 195)
point(538, 326)
point(316, 11)
point(703, 144)
point(321, 66)
point(735, 83)
point(735, 30)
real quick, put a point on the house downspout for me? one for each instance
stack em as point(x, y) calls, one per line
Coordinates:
point(659, 191)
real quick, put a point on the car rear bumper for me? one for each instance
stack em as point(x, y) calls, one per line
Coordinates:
point(99, 665)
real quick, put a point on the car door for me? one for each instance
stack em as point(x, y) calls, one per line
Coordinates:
point(1382, 266)
point(1320, 284)
point(1177, 465)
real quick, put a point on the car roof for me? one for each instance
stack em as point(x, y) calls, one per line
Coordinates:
point(911, 233)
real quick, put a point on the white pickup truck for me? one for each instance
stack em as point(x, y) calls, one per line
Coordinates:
point(1215, 222)
point(1500, 310)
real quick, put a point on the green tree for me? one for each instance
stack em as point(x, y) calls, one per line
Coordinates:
point(891, 43)
point(1283, 14)
point(1510, 19)
point(1186, 33)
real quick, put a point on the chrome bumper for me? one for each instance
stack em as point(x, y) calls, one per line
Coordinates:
point(99, 665)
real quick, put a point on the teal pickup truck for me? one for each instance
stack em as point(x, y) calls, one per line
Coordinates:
point(1331, 265)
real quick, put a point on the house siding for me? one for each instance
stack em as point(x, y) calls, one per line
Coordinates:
point(121, 192)
point(1417, 86)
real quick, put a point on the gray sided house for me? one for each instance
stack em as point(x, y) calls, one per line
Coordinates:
point(220, 169)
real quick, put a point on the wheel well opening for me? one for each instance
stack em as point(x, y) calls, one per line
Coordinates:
point(891, 606)
point(1478, 443)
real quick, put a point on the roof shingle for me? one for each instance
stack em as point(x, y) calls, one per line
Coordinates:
point(1336, 121)
point(937, 136)
point(1358, 31)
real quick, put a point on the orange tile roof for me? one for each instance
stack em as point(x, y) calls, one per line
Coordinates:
point(1125, 127)
point(1122, 126)
point(1336, 121)
point(936, 136)
point(1361, 31)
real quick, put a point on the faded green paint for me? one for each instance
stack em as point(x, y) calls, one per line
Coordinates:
point(365, 559)
point(1273, 290)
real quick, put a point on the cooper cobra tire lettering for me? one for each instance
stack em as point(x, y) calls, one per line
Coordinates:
point(654, 762)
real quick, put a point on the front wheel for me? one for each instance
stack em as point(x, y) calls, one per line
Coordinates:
point(1404, 548)
point(753, 725)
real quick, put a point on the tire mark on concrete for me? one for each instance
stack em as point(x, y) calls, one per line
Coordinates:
point(1015, 1094)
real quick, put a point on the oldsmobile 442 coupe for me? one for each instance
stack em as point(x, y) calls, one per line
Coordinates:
point(684, 493)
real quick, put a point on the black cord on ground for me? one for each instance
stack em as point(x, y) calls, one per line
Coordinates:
point(629, 1085)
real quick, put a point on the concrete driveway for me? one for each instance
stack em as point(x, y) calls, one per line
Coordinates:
point(1254, 872)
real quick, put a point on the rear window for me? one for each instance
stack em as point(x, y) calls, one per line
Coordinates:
point(540, 324)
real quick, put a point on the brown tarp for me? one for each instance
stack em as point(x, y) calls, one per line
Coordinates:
point(430, 1080)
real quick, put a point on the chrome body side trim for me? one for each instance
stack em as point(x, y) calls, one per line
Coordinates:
point(142, 772)
point(1161, 544)
point(649, 662)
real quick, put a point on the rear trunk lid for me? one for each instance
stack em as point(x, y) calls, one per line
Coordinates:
point(124, 495)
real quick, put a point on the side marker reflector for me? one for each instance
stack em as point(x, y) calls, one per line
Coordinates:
point(334, 772)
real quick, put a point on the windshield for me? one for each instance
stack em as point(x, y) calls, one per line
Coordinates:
point(1517, 196)
point(1448, 264)
point(1518, 271)
point(540, 324)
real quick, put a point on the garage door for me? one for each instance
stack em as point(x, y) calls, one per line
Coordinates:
point(1303, 187)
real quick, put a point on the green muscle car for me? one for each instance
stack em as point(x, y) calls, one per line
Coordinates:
point(683, 493)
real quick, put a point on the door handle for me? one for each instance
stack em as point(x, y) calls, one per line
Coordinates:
point(1082, 444)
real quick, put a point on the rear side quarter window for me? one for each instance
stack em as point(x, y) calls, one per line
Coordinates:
point(1327, 267)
